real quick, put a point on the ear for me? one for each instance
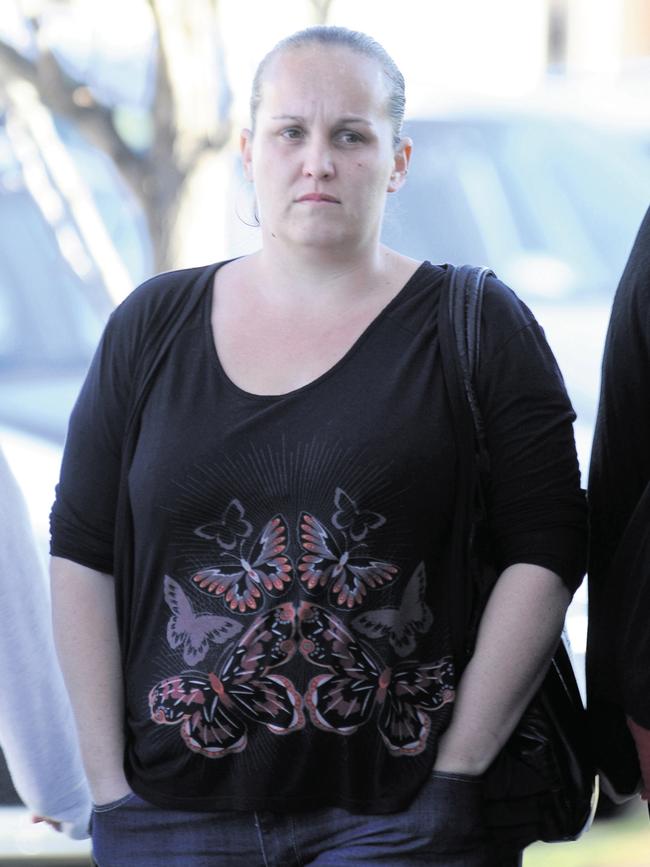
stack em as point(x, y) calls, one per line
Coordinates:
point(401, 161)
point(246, 150)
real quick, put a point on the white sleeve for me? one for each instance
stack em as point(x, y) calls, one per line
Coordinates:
point(37, 730)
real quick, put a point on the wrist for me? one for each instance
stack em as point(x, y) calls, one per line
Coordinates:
point(462, 750)
point(457, 765)
point(460, 761)
point(106, 789)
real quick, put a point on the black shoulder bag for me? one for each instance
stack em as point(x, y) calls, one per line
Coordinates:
point(542, 785)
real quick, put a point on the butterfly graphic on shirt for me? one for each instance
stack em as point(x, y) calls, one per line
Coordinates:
point(346, 571)
point(214, 709)
point(359, 687)
point(400, 625)
point(231, 526)
point(194, 632)
point(261, 567)
point(357, 522)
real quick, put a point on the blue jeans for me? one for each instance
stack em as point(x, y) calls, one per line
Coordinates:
point(441, 828)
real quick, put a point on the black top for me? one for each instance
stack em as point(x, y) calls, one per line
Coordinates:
point(618, 649)
point(284, 636)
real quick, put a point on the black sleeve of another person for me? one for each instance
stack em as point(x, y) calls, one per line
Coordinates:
point(618, 649)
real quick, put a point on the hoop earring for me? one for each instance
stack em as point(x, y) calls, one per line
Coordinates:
point(254, 222)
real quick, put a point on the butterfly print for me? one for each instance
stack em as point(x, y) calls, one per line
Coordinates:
point(194, 632)
point(358, 687)
point(348, 574)
point(349, 517)
point(214, 710)
point(242, 578)
point(231, 526)
point(400, 625)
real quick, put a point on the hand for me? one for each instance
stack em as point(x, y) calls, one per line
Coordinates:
point(641, 737)
point(48, 821)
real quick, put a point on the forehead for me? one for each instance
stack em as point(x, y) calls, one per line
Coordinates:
point(299, 78)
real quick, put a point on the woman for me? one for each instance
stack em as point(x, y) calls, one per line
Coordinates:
point(268, 677)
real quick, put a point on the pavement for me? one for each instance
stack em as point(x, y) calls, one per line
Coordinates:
point(623, 841)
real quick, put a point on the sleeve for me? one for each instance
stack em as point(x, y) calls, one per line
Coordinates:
point(620, 459)
point(83, 516)
point(37, 730)
point(536, 508)
point(618, 642)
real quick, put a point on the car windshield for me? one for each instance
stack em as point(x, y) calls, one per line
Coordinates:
point(551, 204)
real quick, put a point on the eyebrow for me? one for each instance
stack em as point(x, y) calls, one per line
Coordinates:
point(298, 119)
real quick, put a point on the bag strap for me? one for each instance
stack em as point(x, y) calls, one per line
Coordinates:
point(465, 305)
point(459, 326)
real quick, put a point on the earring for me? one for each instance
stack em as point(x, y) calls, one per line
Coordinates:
point(244, 190)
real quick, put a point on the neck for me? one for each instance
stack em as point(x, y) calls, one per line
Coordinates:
point(290, 277)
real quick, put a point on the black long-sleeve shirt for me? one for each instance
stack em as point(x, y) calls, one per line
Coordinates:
point(284, 637)
point(618, 648)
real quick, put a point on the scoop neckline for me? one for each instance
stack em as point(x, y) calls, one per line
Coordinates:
point(350, 352)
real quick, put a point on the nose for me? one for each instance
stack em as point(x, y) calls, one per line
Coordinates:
point(318, 162)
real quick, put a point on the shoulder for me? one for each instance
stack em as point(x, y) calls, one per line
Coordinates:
point(637, 269)
point(135, 326)
point(159, 291)
point(502, 307)
point(158, 299)
point(631, 306)
point(503, 316)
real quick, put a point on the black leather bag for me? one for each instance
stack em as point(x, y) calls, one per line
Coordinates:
point(542, 785)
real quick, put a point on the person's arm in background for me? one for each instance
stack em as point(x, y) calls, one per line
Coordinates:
point(37, 730)
point(85, 630)
point(618, 648)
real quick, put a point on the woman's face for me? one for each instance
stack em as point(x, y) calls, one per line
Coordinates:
point(322, 157)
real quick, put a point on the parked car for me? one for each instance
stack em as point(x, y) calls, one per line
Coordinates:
point(552, 205)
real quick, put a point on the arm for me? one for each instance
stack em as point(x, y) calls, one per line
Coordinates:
point(85, 631)
point(618, 646)
point(82, 526)
point(536, 523)
point(620, 460)
point(519, 632)
point(34, 711)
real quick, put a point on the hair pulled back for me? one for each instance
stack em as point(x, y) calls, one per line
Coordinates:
point(355, 41)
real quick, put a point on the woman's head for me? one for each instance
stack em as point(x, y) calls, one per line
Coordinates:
point(355, 41)
point(325, 147)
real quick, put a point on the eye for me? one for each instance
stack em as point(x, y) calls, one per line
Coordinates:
point(349, 137)
point(292, 133)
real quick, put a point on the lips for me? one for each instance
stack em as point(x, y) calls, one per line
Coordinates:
point(318, 197)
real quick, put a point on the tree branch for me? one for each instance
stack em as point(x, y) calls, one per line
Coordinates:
point(72, 99)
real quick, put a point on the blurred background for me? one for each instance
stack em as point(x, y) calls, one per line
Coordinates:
point(119, 130)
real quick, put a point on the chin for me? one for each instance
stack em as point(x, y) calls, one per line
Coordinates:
point(319, 240)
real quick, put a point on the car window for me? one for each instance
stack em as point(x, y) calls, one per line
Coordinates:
point(46, 316)
point(551, 205)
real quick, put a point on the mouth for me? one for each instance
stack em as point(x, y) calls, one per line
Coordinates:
point(318, 197)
